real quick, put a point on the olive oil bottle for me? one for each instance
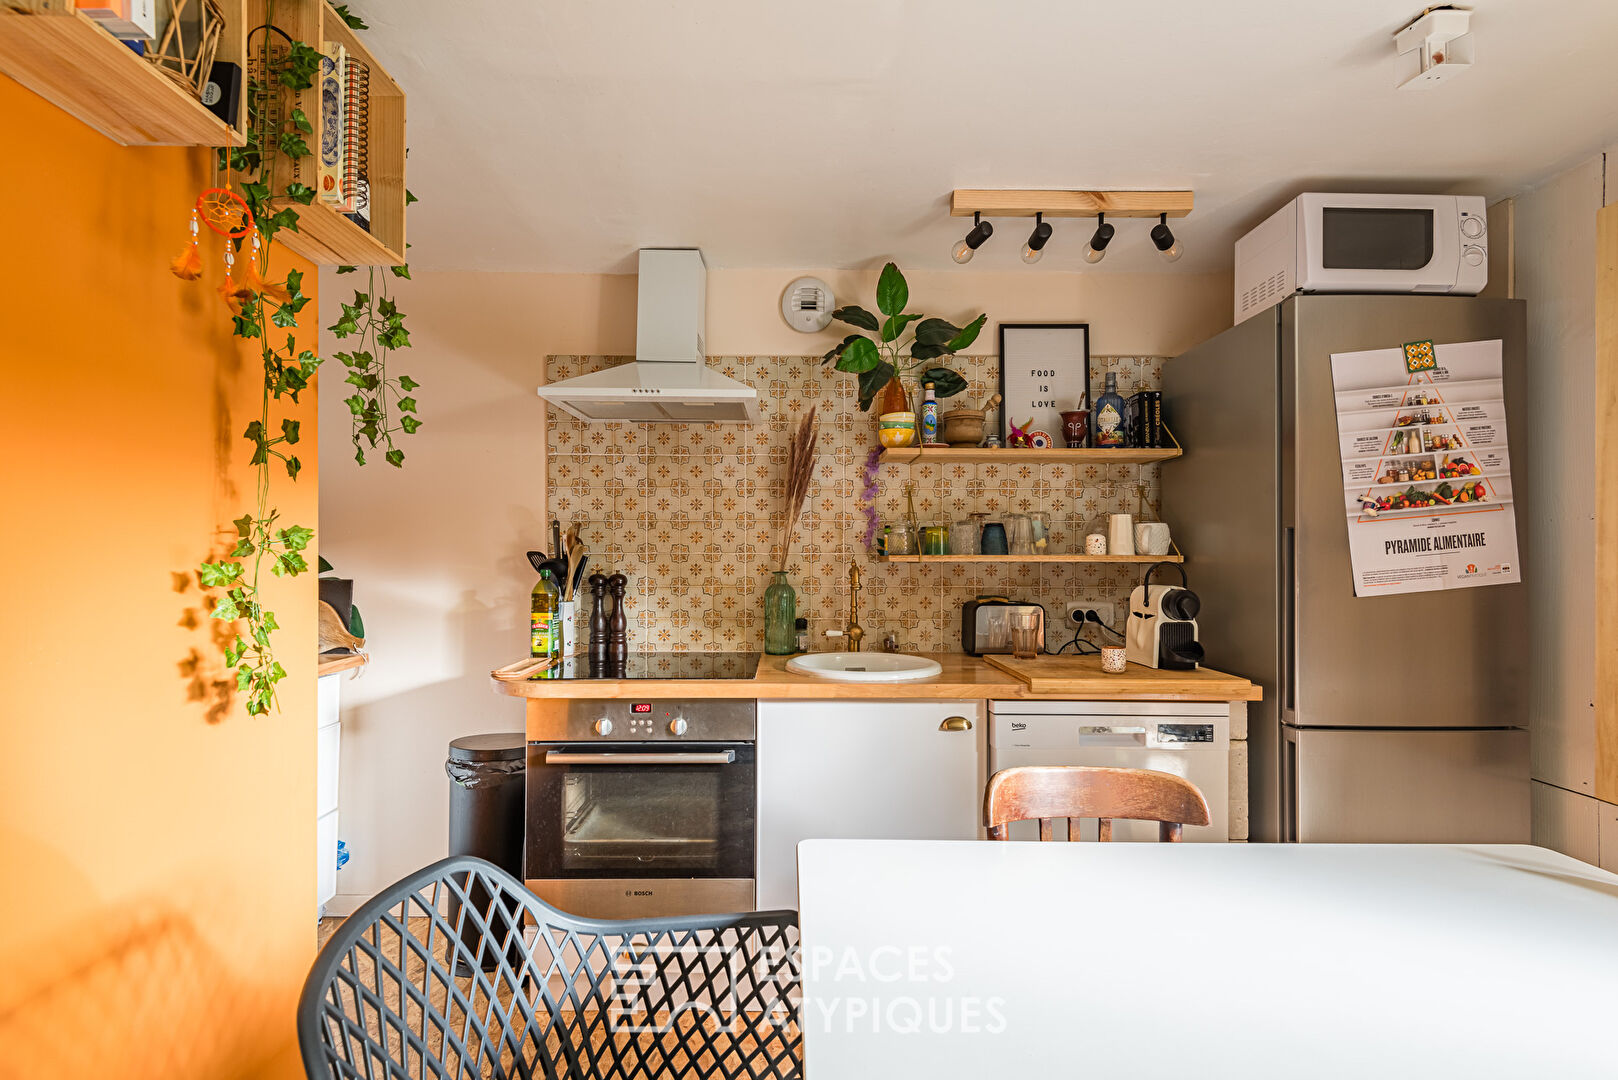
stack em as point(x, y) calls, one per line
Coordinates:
point(545, 621)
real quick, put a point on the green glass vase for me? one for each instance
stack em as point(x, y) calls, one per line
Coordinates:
point(780, 617)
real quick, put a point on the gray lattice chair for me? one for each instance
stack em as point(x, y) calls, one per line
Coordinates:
point(458, 971)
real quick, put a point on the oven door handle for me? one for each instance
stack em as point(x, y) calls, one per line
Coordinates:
point(566, 757)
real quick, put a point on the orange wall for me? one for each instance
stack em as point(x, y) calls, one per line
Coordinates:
point(158, 913)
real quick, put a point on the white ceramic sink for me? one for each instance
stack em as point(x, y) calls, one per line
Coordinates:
point(865, 666)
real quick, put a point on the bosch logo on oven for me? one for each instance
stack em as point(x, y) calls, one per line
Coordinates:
point(637, 892)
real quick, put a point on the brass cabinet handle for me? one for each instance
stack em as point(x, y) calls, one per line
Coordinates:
point(955, 723)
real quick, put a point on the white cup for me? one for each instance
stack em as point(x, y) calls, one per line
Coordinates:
point(1114, 660)
point(1151, 538)
point(1095, 544)
point(1120, 534)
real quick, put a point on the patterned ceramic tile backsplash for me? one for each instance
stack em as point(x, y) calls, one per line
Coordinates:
point(692, 513)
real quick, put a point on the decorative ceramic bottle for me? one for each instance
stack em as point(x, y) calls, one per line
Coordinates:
point(1108, 416)
point(929, 415)
point(780, 617)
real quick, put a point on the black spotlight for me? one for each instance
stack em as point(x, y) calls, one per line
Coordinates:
point(1163, 237)
point(1037, 240)
point(981, 231)
point(1099, 240)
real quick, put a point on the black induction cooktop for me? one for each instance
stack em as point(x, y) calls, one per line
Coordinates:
point(662, 665)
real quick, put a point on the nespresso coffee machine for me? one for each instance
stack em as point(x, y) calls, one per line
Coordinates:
point(1162, 630)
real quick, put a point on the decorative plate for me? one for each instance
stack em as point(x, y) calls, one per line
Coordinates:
point(1040, 440)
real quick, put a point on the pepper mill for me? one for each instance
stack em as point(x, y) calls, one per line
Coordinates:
point(598, 618)
point(618, 626)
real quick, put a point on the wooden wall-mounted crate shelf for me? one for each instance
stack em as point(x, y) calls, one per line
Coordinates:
point(325, 236)
point(67, 59)
point(972, 455)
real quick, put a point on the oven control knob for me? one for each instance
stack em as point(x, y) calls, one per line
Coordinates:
point(1472, 227)
point(603, 726)
point(678, 726)
point(1473, 255)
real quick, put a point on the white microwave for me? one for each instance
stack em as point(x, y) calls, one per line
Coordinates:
point(1364, 244)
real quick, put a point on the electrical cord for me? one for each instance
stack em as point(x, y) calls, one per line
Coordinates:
point(1091, 617)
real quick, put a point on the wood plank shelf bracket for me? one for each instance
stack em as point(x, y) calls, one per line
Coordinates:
point(965, 202)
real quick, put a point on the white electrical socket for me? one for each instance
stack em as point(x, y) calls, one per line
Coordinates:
point(1105, 611)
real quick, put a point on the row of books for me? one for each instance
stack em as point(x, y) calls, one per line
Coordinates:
point(345, 131)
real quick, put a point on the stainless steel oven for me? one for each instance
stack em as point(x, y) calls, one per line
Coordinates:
point(642, 808)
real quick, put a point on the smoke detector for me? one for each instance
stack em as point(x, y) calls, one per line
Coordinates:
point(807, 305)
point(1436, 45)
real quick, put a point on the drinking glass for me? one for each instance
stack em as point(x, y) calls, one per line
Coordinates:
point(994, 538)
point(935, 539)
point(1025, 635)
point(964, 538)
point(1019, 534)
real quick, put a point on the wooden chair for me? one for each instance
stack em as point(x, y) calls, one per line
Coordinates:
point(1047, 792)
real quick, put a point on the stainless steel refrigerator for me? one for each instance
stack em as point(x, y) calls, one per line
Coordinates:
point(1399, 718)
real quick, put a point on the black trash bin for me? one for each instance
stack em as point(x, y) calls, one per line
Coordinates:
point(486, 775)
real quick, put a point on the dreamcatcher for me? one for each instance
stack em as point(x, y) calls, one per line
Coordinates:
point(226, 213)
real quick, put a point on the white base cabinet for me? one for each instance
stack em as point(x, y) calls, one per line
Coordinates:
point(850, 770)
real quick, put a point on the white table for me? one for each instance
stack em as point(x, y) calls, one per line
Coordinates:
point(1198, 961)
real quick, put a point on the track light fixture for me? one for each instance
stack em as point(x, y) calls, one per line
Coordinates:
point(1097, 249)
point(981, 231)
point(1163, 237)
point(1037, 240)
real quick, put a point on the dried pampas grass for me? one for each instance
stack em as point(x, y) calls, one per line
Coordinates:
point(800, 470)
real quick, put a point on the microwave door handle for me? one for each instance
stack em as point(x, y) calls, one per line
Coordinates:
point(567, 757)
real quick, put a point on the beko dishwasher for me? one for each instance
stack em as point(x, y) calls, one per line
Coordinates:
point(1189, 739)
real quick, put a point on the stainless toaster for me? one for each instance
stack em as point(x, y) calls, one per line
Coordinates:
point(986, 624)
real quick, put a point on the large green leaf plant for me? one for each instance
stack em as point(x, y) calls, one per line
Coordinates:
point(890, 353)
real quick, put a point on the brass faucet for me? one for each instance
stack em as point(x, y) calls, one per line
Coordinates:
point(853, 631)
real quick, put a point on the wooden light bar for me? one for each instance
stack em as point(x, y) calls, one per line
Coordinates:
point(1054, 204)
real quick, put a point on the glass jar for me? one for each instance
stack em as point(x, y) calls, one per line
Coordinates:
point(901, 538)
point(1041, 532)
point(964, 537)
point(1019, 534)
point(935, 538)
point(780, 617)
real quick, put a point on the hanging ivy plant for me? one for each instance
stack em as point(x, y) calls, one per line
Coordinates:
point(382, 404)
point(261, 309)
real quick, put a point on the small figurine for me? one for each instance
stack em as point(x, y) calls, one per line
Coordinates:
point(1020, 436)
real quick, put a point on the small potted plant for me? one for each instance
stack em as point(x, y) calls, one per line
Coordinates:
point(883, 360)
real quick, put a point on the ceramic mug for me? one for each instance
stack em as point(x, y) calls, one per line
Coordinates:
point(1120, 534)
point(1113, 659)
point(1095, 544)
point(1151, 538)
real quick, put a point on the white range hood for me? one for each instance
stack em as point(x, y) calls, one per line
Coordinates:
point(669, 382)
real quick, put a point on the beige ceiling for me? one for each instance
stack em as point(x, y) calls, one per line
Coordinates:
point(561, 136)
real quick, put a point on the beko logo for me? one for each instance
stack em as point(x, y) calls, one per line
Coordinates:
point(637, 892)
point(1016, 726)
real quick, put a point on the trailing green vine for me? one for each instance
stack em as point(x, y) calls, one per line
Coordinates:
point(261, 309)
point(381, 405)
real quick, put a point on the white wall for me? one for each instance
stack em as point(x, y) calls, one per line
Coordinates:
point(1555, 273)
point(436, 548)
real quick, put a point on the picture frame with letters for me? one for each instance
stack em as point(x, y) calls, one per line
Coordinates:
point(1044, 371)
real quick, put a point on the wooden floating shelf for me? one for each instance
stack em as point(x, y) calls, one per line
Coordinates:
point(1031, 558)
point(1053, 204)
point(973, 455)
point(63, 56)
point(325, 235)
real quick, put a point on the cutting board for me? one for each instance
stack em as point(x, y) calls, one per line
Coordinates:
point(1082, 677)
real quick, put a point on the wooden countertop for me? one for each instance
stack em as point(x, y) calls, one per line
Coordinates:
point(963, 678)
